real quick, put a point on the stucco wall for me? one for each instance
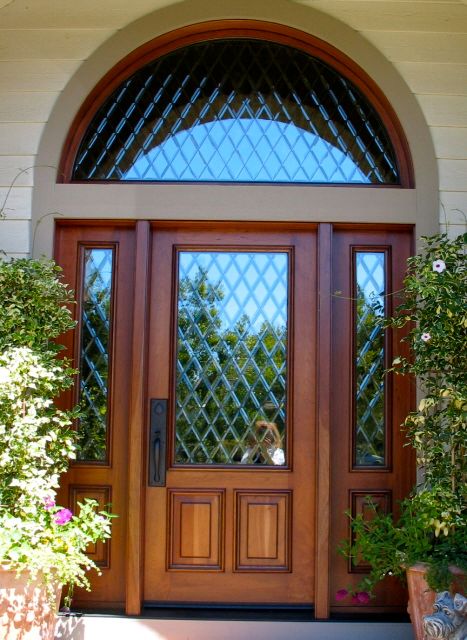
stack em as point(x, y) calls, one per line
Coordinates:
point(43, 43)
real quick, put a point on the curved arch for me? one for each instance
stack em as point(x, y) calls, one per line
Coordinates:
point(238, 29)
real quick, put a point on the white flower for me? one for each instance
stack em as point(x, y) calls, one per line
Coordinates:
point(426, 336)
point(4, 375)
point(439, 266)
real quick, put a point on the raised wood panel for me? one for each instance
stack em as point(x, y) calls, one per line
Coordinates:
point(423, 77)
point(18, 106)
point(55, 44)
point(14, 236)
point(444, 111)
point(453, 174)
point(10, 168)
point(419, 47)
point(263, 531)
point(397, 16)
point(99, 551)
point(450, 142)
point(20, 138)
point(360, 504)
point(196, 529)
point(36, 75)
point(16, 202)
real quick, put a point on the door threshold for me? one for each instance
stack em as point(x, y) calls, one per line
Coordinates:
point(222, 611)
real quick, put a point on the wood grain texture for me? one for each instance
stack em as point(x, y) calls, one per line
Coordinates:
point(399, 474)
point(99, 551)
point(137, 420)
point(196, 525)
point(323, 478)
point(263, 531)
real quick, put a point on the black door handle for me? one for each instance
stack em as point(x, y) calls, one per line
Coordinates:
point(158, 443)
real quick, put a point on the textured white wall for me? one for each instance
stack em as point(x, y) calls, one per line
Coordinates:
point(42, 43)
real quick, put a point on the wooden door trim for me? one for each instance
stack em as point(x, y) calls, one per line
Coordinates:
point(323, 421)
point(138, 412)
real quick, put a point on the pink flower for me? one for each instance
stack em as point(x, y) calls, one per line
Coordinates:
point(63, 516)
point(363, 597)
point(49, 503)
point(426, 336)
point(439, 266)
point(341, 594)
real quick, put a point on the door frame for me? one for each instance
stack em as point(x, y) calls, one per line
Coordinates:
point(141, 232)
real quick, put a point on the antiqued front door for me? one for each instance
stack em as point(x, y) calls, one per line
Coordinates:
point(230, 498)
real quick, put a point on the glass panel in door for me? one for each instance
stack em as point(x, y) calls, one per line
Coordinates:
point(231, 369)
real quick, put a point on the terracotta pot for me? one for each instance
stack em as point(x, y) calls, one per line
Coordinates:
point(422, 598)
point(25, 612)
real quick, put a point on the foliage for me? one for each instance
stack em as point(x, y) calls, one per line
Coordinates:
point(36, 438)
point(431, 527)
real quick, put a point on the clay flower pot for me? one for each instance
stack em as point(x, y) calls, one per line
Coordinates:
point(422, 597)
point(25, 610)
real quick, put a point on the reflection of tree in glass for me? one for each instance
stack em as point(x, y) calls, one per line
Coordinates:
point(228, 377)
point(370, 380)
point(94, 359)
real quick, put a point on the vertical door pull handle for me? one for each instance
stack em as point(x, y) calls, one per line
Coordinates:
point(157, 442)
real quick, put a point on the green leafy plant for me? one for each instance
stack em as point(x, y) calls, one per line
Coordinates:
point(37, 441)
point(431, 525)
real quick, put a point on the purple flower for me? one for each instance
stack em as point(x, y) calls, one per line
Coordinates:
point(63, 516)
point(49, 503)
point(363, 597)
point(341, 594)
point(439, 266)
point(426, 336)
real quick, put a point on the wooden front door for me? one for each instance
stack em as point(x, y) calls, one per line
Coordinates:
point(234, 405)
point(230, 500)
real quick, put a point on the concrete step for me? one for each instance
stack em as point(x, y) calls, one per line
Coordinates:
point(102, 627)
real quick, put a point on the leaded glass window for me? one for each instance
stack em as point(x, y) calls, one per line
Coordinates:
point(231, 368)
point(96, 309)
point(237, 110)
point(370, 428)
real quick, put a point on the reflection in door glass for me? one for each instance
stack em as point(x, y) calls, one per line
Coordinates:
point(369, 359)
point(231, 365)
point(94, 353)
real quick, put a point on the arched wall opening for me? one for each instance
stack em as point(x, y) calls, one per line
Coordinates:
point(143, 211)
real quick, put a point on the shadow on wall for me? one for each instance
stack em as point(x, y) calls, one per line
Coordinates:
point(69, 628)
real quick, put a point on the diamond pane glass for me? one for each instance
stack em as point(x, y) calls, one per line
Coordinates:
point(231, 358)
point(237, 110)
point(94, 353)
point(369, 359)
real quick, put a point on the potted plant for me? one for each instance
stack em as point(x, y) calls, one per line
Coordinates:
point(429, 531)
point(42, 545)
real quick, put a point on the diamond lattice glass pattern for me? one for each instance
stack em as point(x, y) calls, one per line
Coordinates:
point(237, 110)
point(231, 358)
point(369, 359)
point(94, 360)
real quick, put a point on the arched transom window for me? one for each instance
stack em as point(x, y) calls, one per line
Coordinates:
point(237, 110)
